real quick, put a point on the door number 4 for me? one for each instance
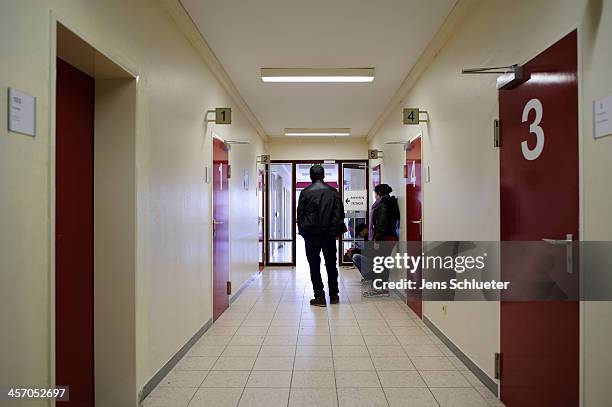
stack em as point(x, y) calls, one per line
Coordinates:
point(534, 128)
point(413, 178)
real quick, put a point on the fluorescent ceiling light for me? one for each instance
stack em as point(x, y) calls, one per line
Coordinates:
point(316, 79)
point(317, 132)
point(317, 75)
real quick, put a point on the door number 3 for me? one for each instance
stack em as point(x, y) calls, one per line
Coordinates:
point(534, 128)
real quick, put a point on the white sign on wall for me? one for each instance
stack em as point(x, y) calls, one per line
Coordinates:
point(22, 112)
point(355, 200)
point(602, 117)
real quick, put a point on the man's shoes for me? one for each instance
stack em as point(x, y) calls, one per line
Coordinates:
point(318, 302)
point(334, 299)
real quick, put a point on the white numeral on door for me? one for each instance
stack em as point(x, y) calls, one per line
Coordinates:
point(534, 128)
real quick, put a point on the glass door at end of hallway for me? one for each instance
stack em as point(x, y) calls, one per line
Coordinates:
point(354, 181)
point(302, 181)
point(284, 183)
point(280, 214)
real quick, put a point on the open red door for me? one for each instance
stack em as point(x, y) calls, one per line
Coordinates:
point(539, 200)
point(220, 228)
point(414, 215)
point(261, 219)
point(74, 324)
point(376, 176)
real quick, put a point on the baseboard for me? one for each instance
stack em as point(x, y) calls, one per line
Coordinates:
point(401, 294)
point(478, 372)
point(165, 369)
point(244, 286)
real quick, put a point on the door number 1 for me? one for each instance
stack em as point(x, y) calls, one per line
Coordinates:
point(534, 128)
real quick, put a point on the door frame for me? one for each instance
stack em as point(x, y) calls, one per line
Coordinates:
point(263, 252)
point(341, 190)
point(266, 216)
point(123, 388)
point(294, 163)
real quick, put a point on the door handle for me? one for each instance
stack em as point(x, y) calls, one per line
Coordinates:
point(420, 223)
point(569, 256)
point(215, 223)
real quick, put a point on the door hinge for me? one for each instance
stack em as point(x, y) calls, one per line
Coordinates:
point(229, 171)
point(229, 288)
point(496, 134)
point(498, 366)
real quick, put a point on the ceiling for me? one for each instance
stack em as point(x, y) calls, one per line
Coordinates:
point(247, 35)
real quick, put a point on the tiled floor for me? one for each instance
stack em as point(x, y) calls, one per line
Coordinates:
point(271, 348)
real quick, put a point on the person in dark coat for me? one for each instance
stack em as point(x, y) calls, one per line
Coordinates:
point(385, 214)
point(320, 221)
point(384, 223)
point(361, 262)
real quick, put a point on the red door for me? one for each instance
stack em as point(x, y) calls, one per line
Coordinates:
point(414, 214)
point(539, 200)
point(220, 228)
point(376, 177)
point(74, 234)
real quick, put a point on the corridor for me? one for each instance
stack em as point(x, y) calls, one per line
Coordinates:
point(272, 349)
point(171, 171)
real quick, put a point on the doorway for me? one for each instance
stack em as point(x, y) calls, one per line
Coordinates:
point(539, 168)
point(220, 227)
point(414, 218)
point(354, 179)
point(93, 237)
point(302, 171)
point(284, 182)
point(280, 223)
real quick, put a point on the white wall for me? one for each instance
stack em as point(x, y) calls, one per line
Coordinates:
point(115, 242)
point(461, 201)
point(350, 148)
point(174, 90)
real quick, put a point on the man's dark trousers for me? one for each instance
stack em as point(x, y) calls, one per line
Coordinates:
point(314, 245)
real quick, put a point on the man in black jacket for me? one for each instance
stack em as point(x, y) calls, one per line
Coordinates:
point(320, 220)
